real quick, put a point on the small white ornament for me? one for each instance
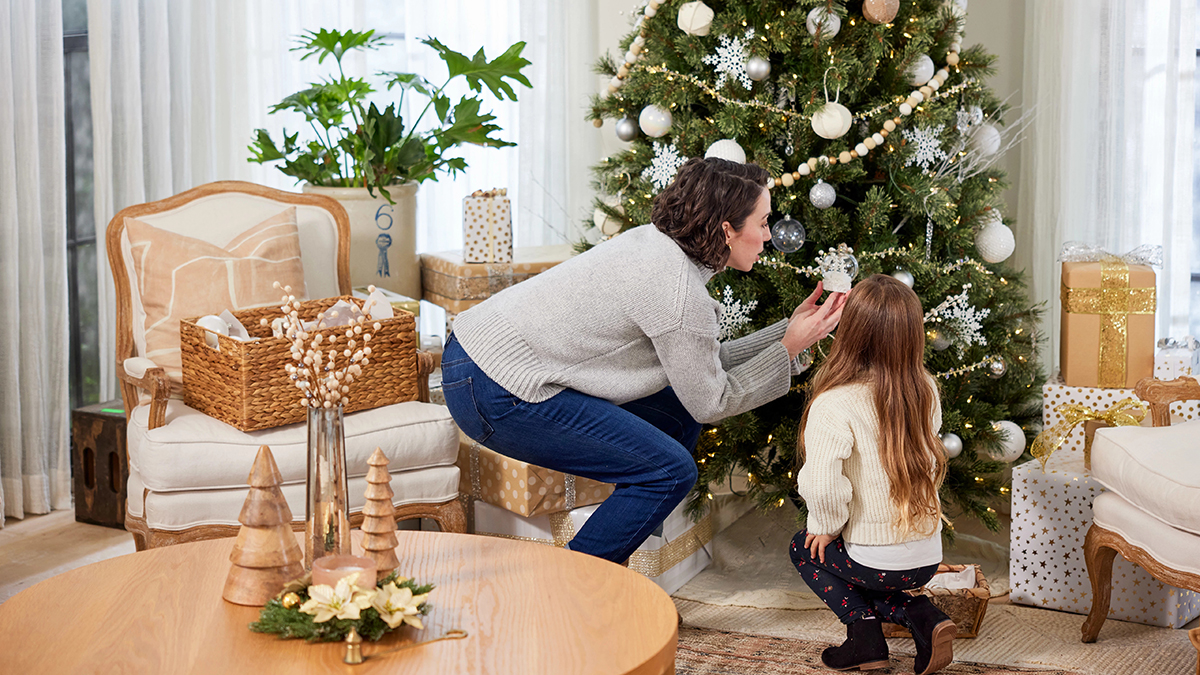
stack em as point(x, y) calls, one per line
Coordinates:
point(730, 59)
point(822, 195)
point(654, 121)
point(904, 276)
point(821, 20)
point(758, 68)
point(664, 166)
point(213, 325)
point(926, 144)
point(1012, 441)
point(832, 120)
point(727, 148)
point(838, 269)
point(607, 224)
point(994, 241)
point(695, 18)
point(921, 70)
point(954, 444)
point(985, 140)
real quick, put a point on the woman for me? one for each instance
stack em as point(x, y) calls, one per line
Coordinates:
point(605, 365)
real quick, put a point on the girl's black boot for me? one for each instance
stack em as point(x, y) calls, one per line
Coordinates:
point(933, 632)
point(864, 648)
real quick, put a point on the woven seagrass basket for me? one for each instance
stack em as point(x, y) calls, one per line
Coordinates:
point(244, 384)
point(964, 606)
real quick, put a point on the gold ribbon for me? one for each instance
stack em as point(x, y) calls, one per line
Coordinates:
point(1124, 413)
point(647, 563)
point(1114, 301)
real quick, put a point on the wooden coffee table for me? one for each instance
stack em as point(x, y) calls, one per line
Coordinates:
point(527, 608)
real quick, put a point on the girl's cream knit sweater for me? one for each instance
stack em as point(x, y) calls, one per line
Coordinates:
point(843, 482)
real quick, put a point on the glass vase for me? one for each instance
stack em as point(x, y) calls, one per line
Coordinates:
point(326, 512)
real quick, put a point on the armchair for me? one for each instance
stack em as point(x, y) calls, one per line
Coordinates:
point(1150, 510)
point(187, 471)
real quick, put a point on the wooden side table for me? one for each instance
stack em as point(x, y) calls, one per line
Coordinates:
point(99, 463)
point(527, 609)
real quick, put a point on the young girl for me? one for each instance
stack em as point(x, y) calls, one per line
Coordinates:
point(873, 465)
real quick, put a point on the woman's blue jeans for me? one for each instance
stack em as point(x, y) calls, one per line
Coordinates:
point(644, 447)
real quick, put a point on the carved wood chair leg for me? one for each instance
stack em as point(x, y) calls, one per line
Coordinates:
point(451, 517)
point(1099, 558)
point(139, 541)
point(1194, 636)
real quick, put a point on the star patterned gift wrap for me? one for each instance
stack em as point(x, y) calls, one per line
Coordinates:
point(670, 557)
point(1177, 358)
point(1051, 514)
point(1055, 394)
point(487, 227)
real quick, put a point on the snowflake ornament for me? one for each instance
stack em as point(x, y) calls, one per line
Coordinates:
point(963, 322)
point(730, 59)
point(664, 166)
point(734, 315)
point(928, 148)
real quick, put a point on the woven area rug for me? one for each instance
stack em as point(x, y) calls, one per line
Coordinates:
point(712, 652)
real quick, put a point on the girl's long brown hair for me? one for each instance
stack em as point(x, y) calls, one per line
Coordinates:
point(881, 342)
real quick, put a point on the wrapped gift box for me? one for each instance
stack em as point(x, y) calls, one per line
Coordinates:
point(1056, 393)
point(524, 489)
point(1051, 513)
point(1107, 323)
point(1177, 358)
point(487, 227)
point(670, 560)
point(451, 282)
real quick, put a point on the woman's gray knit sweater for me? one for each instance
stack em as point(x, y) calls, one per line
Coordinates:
point(620, 322)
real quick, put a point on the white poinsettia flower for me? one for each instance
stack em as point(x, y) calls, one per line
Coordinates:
point(398, 605)
point(344, 601)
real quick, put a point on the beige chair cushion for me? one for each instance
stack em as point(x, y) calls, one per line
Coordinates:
point(1178, 550)
point(193, 451)
point(1156, 469)
point(179, 277)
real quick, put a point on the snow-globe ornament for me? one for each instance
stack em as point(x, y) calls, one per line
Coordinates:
point(788, 235)
point(727, 148)
point(758, 68)
point(880, 11)
point(921, 70)
point(695, 18)
point(838, 269)
point(1012, 441)
point(655, 121)
point(821, 20)
point(822, 195)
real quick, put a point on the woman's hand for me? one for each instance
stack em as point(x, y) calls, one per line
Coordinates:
point(816, 543)
point(812, 322)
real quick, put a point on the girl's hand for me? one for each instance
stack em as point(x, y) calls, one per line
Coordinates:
point(816, 543)
point(812, 322)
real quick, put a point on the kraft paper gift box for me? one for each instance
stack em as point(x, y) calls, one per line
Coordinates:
point(450, 282)
point(1051, 513)
point(1107, 331)
point(524, 489)
point(487, 227)
point(1177, 357)
point(670, 558)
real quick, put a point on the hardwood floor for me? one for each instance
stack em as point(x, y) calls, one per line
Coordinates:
point(40, 547)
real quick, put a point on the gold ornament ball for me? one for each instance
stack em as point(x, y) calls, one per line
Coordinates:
point(880, 11)
point(290, 600)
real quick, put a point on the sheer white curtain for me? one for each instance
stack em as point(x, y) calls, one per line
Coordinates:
point(1108, 159)
point(35, 463)
point(178, 88)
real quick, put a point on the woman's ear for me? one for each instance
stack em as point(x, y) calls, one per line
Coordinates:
point(728, 229)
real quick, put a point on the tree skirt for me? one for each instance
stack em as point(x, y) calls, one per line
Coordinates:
point(713, 652)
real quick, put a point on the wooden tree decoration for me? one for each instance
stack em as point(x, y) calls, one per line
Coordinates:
point(379, 516)
point(266, 555)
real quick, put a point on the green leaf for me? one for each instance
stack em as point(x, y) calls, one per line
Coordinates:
point(409, 81)
point(324, 43)
point(263, 149)
point(470, 126)
point(441, 105)
point(479, 70)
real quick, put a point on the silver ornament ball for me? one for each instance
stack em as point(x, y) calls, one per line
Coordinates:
point(938, 338)
point(954, 445)
point(758, 68)
point(787, 234)
point(627, 129)
point(822, 195)
point(821, 20)
point(904, 276)
point(997, 367)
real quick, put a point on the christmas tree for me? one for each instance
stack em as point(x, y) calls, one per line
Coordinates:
point(266, 554)
point(379, 516)
point(882, 138)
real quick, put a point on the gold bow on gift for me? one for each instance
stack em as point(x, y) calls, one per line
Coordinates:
point(1124, 413)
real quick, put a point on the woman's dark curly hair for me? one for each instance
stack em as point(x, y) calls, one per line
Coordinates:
point(705, 193)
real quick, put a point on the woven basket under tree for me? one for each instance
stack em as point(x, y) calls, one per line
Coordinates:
point(964, 606)
point(245, 384)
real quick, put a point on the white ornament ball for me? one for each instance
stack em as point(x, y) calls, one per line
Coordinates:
point(654, 121)
point(954, 445)
point(822, 195)
point(607, 224)
point(758, 68)
point(695, 18)
point(213, 325)
point(905, 277)
point(832, 120)
point(921, 70)
point(985, 140)
point(822, 20)
point(1012, 441)
point(627, 129)
point(727, 148)
point(880, 11)
point(994, 241)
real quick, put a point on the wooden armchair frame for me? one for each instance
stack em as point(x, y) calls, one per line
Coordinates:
point(450, 515)
point(1101, 545)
